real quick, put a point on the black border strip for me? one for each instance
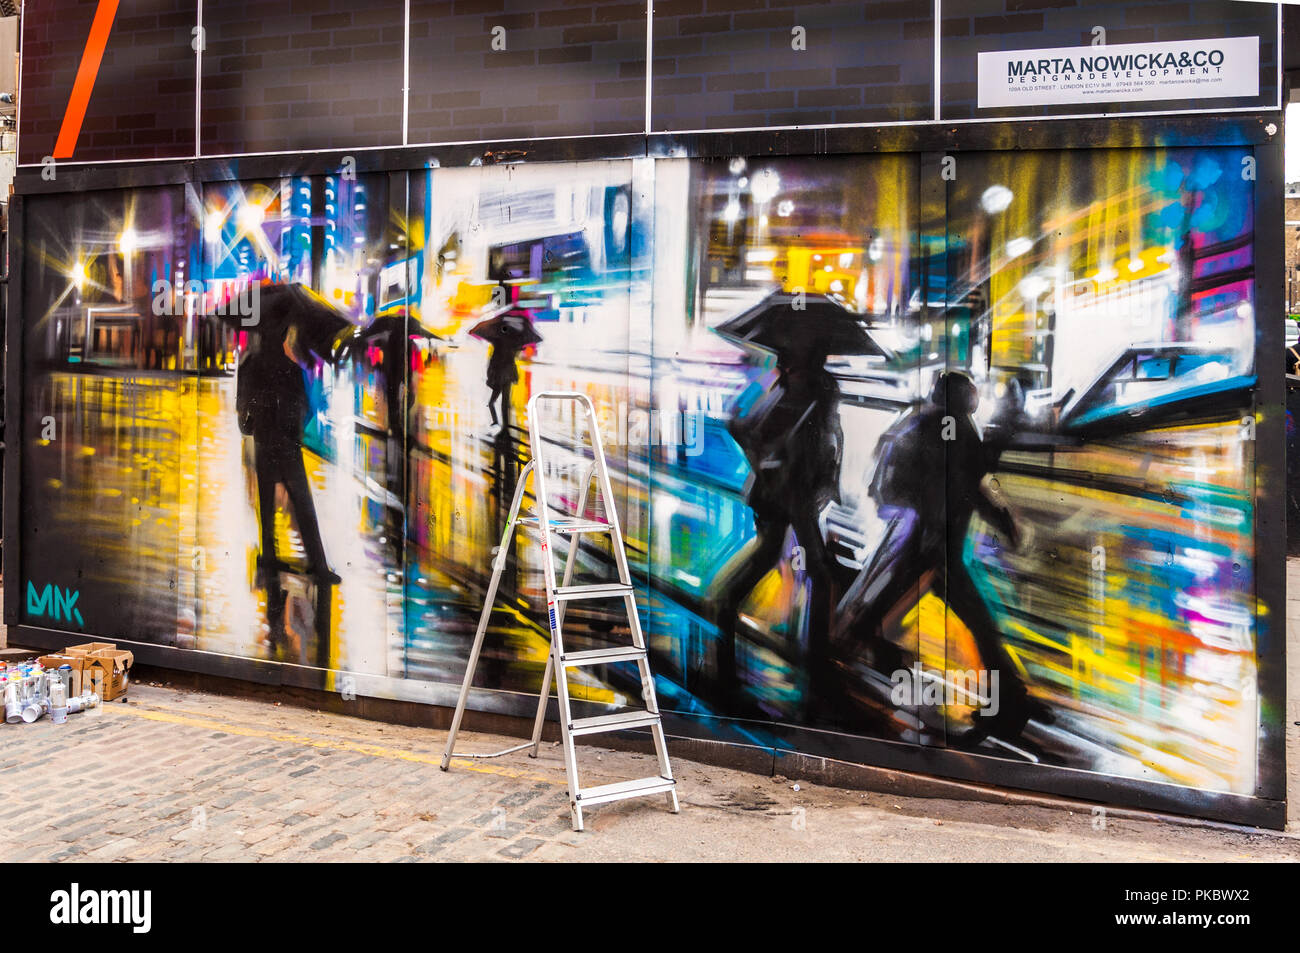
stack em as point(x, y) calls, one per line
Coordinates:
point(1237, 129)
point(13, 425)
point(1270, 468)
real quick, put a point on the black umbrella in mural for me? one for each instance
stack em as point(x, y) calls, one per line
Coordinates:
point(508, 333)
point(801, 329)
point(512, 330)
point(791, 435)
point(387, 331)
point(278, 309)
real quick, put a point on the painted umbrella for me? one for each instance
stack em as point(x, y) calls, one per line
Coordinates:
point(513, 330)
point(804, 327)
point(279, 307)
point(389, 328)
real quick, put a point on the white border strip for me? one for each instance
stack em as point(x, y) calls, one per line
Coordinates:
point(938, 57)
point(406, 72)
point(18, 93)
point(649, 57)
point(198, 86)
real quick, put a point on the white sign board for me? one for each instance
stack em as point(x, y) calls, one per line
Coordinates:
point(1126, 72)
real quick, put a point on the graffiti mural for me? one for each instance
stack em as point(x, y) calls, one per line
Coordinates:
point(970, 472)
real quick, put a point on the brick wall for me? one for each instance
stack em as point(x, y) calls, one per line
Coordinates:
point(731, 63)
point(288, 75)
point(987, 25)
point(568, 69)
point(143, 100)
point(284, 75)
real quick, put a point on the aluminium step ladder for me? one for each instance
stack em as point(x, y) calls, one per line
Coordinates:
point(558, 661)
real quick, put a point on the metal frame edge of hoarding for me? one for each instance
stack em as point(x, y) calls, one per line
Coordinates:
point(13, 399)
point(1267, 808)
point(1224, 129)
point(1270, 469)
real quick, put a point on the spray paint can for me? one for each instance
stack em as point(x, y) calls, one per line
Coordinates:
point(82, 702)
point(33, 695)
point(58, 698)
point(13, 701)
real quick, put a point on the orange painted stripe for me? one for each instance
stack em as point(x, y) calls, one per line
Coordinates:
point(91, 57)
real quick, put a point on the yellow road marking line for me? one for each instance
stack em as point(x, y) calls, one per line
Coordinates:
point(375, 751)
point(336, 732)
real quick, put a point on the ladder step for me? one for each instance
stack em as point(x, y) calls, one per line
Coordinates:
point(624, 719)
point(568, 524)
point(622, 653)
point(621, 789)
point(604, 590)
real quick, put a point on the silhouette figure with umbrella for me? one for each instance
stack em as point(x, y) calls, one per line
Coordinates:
point(391, 333)
point(793, 441)
point(508, 334)
point(272, 404)
point(928, 485)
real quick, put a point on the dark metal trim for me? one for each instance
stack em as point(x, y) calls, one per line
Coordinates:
point(13, 422)
point(1270, 468)
point(1049, 779)
point(1232, 129)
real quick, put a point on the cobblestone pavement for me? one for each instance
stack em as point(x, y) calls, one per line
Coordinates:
point(188, 776)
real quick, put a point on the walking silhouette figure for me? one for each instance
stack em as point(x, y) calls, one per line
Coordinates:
point(508, 334)
point(502, 372)
point(928, 485)
point(271, 401)
point(794, 443)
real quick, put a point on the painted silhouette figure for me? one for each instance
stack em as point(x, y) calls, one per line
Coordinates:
point(508, 334)
point(928, 485)
point(794, 443)
point(502, 372)
point(271, 401)
point(394, 336)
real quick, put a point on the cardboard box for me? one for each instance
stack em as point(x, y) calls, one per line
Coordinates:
point(89, 648)
point(96, 667)
point(58, 660)
point(107, 672)
point(74, 662)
